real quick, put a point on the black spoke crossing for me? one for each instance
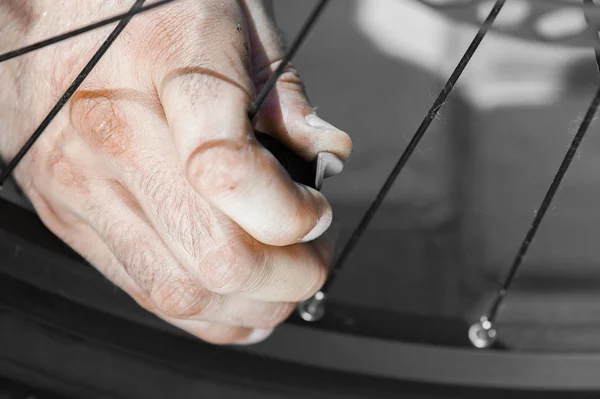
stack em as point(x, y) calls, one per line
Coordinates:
point(304, 31)
point(6, 172)
point(439, 102)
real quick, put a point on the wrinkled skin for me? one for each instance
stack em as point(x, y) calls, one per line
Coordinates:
point(152, 171)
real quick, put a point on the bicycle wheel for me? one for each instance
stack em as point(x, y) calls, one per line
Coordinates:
point(71, 331)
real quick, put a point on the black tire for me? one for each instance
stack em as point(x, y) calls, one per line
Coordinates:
point(64, 328)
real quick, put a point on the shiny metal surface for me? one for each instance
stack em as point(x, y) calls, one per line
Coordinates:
point(482, 334)
point(313, 309)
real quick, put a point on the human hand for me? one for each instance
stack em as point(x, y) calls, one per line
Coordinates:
point(152, 171)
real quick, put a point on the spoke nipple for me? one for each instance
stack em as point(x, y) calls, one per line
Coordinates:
point(482, 334)
point(313, 308)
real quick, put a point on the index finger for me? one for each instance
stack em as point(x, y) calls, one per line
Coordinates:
point(230, 169)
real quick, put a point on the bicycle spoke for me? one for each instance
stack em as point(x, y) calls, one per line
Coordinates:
point(589, 117)
point(313, 308)
point(76, 32)
point(304, 31)
point(485, 325)
point(6, 172)
point(434, 110)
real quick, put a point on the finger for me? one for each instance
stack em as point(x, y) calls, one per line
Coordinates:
point(81, 238)
point(98, 254)
point(163, 285)
point(84, 240)
point(214, 250)
point(108, 265)
point(234, 311)
point(226, 259)
point(206, 111)
point(287, 113)
point(326, 244)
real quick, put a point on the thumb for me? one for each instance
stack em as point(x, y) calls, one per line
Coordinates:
point(287, 113)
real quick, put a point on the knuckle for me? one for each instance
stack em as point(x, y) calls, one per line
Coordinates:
point(102, 122)
point(290, 78)
point(220, 169)
point(55, 160)
point(180, 298)
point(64, 173)
point(226, 271)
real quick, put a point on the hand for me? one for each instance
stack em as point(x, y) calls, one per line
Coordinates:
point(152, 171)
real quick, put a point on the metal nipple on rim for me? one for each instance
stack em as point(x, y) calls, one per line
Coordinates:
point(482, 334)
point(313, 308)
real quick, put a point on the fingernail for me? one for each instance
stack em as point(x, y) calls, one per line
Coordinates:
point(320, 228)
point(257, 335)
point(314, 121)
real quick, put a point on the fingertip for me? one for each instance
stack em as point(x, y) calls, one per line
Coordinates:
point(313, 216)
point(320, 227)
point(329, 138)
point(304, 215)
